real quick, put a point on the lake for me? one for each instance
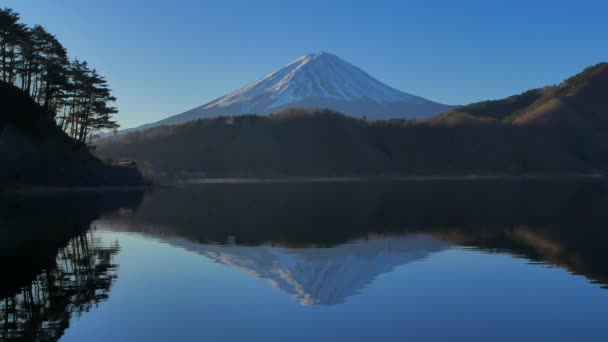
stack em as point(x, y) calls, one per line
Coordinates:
point(309, 261)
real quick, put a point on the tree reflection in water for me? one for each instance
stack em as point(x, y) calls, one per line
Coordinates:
point(81, 278)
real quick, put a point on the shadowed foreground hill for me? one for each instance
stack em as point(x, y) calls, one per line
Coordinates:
point(28, 131)
point(35, 151)
point(561, 129)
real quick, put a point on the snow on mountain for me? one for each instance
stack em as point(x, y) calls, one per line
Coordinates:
point(318, 80)
point(315, 75)
point(320, 276)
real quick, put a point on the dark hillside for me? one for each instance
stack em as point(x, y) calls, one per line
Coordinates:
point(554, 130)
point(27, 130)
point(323, 143)
point(35, 151)
point(494, 109)
point(578, 110)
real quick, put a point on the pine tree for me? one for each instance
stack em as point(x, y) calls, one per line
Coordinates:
point(10, 31)
point(34, 60)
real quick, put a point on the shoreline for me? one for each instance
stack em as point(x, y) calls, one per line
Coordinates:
point(27, 189)
point(36, 190)
point(236, 180)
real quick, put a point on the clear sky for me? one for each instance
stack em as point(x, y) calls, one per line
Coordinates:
point(164, 57)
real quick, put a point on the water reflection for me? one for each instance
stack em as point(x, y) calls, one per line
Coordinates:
point(320, 243)
point(315, 275)
point(54, 266)
point(304, 233)
point(81, 277)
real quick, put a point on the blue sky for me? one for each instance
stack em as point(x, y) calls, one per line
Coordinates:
point(164, 57)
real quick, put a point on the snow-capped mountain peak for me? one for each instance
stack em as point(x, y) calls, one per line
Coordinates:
point(314, 75)
point(316, 80)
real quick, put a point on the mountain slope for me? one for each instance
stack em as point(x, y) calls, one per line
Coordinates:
point(578, 98)
point(319, 80)
point(561, 129)
point(575, 111)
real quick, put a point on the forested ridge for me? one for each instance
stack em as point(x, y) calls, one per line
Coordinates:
point(557, 129)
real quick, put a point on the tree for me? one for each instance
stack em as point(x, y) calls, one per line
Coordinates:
point(34, 60)
point(88, 97)
point(10, 32)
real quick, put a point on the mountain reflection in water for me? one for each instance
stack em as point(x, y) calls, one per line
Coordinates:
point(556, 222)
point(321, 275)
point(322, 243)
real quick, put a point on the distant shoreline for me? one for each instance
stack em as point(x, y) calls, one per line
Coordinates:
point(36, 190)
point(232, 180)
point(26, 189)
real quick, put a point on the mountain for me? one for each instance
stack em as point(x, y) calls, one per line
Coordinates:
point(555, 130)
point(318, 80)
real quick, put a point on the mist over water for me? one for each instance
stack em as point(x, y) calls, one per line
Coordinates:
point(426, 260)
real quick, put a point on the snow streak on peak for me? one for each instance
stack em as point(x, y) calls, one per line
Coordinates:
point(321, 75)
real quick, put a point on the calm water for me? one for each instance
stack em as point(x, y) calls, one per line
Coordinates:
point(458, 260)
